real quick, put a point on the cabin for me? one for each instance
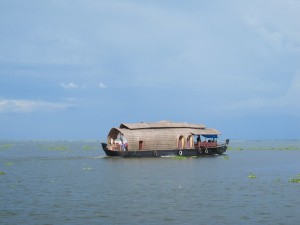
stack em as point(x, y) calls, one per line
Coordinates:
point(163, 135)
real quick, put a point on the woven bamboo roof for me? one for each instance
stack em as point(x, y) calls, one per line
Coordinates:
point(161, 124)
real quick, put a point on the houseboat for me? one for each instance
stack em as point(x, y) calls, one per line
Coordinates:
point(163, 138)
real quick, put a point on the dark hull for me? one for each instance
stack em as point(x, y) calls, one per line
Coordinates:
point(220, 149)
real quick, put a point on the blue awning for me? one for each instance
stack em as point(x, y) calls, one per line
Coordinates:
point(210, 136)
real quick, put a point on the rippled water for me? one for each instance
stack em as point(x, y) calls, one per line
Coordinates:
point(73, 183)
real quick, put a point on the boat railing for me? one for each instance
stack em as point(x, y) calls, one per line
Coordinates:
point(114, 146)
point(117, 147)
point(206, 144)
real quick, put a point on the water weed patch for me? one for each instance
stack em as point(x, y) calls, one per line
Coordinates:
point(251, 175)
point(6, 146)
point(226, 157)
point(295, 179)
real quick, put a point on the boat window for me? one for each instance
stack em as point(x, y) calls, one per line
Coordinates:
point(181, 142)
point(189, 141)
point(141, 145)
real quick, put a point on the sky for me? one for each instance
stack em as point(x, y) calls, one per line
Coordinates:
point(73, 69)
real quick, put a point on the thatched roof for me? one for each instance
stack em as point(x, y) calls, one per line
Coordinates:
point(160, 135)
point(161, 124)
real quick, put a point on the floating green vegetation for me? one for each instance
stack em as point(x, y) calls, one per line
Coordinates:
point(53, 146)
point(291, 147)
point(226, 157)
point(58, 148)
point(8, 163)
point(277, 180)
point(88, 147)
point(251, 175)
point(295, 179)
point(180, 157)
point(5, 146)
point(2, 173)
point(236, 148)
point(277, 148)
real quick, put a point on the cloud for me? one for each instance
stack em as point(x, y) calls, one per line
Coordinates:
point(72, 85)
point(277, 26)
point(28, 106)
point(287, 103)
point(102, 85)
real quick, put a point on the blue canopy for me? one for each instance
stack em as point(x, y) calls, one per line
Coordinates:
point(210, 136)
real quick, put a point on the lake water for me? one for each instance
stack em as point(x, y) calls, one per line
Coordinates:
point(72, 182)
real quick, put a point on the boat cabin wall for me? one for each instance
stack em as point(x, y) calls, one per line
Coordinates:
point(160, 141)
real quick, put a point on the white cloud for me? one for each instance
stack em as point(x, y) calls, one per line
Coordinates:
point(277, 25)
point(72, 85)
point(27, 106)
point(102, 85)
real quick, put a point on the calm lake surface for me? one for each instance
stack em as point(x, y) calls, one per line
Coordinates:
point(72, 182)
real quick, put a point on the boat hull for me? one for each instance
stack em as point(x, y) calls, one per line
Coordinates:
point(218, 150)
